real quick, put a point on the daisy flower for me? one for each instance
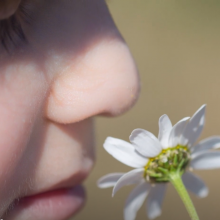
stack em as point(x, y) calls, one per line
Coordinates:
point(158, 161)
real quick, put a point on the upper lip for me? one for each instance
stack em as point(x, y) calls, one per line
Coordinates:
point(70, 182)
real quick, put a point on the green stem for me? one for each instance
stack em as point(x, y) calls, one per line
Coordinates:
point(176, 180)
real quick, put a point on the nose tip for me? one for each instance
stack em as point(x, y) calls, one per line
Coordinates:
point(102, 81)
point(115, 77)
point(121, 85)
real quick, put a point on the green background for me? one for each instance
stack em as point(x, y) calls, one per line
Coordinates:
point(176, 45)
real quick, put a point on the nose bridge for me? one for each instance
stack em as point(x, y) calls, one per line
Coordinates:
point(102, 81)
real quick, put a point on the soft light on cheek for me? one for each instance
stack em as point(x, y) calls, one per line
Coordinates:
point(17, 161)
point(10, 157)
point(8, 8)
point(19, 118)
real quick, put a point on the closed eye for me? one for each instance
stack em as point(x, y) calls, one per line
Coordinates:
point(12, 35)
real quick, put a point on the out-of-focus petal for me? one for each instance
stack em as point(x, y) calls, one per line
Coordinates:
point(145, 143)
point(176, 132)
point(194, 184)
point(135, 200)
point(109, 180)
point(124, 152)
point(193, 128)
point(155, 199)
point(206, 161)
point(204, 145)
point(165, 127)
point(132, 177)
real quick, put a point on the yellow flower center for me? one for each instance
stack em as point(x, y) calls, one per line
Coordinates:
point(169, 160)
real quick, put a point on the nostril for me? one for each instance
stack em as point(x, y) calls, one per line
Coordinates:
point(102, 81)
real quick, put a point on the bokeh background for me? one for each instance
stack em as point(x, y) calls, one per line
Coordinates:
point(176, 45)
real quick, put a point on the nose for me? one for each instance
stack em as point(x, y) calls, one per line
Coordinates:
point(104, 80)
point(100, 75)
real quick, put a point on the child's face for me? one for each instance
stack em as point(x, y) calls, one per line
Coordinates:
point(74, 65)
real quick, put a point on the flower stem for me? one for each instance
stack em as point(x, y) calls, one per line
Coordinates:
point(176, 180)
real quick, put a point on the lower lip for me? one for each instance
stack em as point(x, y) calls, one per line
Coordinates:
point(57, 205)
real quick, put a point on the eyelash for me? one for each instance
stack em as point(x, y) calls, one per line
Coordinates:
point(11, 31)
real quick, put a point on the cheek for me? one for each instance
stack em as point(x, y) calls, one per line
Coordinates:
point(15, 138)
point(19, 154)
point(21, 94)
point(33, 148)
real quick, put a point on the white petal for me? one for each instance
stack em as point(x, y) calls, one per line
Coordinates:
point(109, 180)
point(132, 177)
point(155, 199)
point(194, 184)
point(135, 200)
point(124, 152)
point(176, 131)
point(206, 160)
point(165, 127)
point(206, 144)
point(194, 128)
point(145, 142)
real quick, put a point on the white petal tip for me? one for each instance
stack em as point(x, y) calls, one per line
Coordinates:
point(202, 107)
point(186, 118)
point(99, 184)
point(204, 193)
point(154, 215)
point(109, 140)
point(102, 186)
point(163, 116)
point(135, 132)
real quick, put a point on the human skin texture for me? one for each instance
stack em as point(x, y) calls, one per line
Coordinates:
point(8, 8)
point(74, 65)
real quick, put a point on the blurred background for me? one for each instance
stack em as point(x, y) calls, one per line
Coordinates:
point(176, 45)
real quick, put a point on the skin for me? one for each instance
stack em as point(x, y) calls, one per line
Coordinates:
point(75, 66)
point(8, 8)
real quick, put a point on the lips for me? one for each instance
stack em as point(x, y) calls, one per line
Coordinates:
point(58, 204)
